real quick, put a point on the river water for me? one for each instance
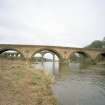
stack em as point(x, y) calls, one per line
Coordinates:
point(77, 84)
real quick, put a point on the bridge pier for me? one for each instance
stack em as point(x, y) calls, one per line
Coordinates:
point(64, 61)
point(42, 60)
point(53, 57)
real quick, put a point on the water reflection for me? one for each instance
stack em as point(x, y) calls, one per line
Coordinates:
point(59, 69)
point(83, 85)
point(51, 67)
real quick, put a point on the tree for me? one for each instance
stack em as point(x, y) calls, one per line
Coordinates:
point(95, 44)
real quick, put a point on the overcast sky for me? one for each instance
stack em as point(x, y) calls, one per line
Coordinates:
point(73, 23)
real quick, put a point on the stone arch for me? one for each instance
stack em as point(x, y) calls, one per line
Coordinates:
point(50, 50)
point(12, 49)
point(86, 55)
point(100, 57)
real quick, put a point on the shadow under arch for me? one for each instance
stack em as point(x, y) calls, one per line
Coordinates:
point(100, 57)
point(85, 54)
point(2, 50)
point(50, 51)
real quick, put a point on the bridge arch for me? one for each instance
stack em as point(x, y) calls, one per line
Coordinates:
point(2, 50)
point(52, 51)
point(83, 53)
point(100, 57)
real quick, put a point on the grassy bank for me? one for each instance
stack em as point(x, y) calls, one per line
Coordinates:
point(21, 84)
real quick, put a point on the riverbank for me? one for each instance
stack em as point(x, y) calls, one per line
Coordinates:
point(21, 84)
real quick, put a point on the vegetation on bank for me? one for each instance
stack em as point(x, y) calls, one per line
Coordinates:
point(21, 84)
point(97, 44)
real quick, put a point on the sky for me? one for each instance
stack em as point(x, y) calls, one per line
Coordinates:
point(71, 23)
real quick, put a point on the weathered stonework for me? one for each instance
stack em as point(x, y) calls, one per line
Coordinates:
point(63, 53)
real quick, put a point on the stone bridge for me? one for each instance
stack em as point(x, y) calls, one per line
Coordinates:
point(64, 53)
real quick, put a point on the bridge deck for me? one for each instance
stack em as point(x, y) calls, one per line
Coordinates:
point(77, 48)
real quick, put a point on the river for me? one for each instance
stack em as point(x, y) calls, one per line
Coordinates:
point(77, 84)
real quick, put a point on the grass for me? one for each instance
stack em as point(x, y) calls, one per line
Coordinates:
point(21, 84)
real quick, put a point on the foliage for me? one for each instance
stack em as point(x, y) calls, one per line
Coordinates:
point(97, 44)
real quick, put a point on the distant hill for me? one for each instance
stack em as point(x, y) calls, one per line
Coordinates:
point(97, 44)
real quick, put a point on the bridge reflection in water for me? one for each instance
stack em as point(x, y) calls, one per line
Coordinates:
point(56, 68)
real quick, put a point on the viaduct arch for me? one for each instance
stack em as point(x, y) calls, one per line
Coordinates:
point(13, 50)
point(63, 53)
point(52, 51)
